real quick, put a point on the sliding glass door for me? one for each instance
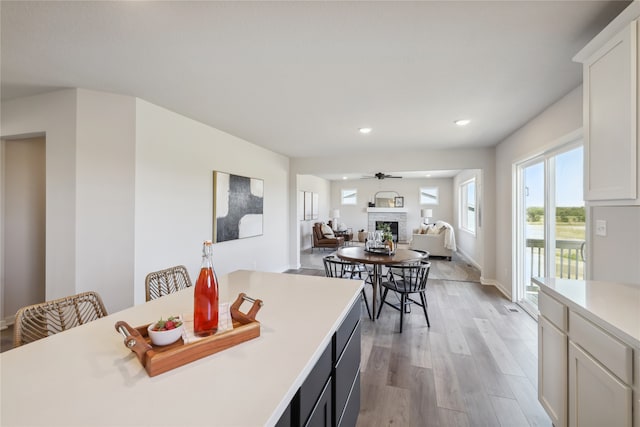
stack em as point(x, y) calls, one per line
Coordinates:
point(570, 215)
point(550, 214)
point(533, 199)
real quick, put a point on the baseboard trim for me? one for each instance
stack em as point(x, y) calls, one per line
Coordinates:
point(471, 260)
point(497, 285)
point(6, 322)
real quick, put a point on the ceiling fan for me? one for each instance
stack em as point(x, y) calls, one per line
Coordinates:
point(381, 175)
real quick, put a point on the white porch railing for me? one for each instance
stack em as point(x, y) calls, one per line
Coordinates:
point(569, 258)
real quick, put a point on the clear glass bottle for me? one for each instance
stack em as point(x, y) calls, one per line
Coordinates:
point(205, 301)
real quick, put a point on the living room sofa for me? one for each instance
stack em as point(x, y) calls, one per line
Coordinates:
point(433, 239)
point(325, 238)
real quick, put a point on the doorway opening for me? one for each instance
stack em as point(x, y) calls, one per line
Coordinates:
point(23, 224)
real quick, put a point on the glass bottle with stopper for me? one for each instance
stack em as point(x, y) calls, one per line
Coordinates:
point(205, 301)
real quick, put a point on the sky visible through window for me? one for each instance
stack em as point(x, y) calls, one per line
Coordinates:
point(569, 177)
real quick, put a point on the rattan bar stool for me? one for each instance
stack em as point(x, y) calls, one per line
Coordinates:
point(167, 281)
point(51, 317)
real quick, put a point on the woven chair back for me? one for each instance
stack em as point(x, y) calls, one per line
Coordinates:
point(167, 281)
point(48, 318)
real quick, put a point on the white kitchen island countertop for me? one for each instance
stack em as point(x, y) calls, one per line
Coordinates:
point(614, 307)
point(87, 377)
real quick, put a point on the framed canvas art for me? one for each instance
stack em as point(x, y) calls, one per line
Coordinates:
point(315, 206)
point(238, 203)
point(307, 205)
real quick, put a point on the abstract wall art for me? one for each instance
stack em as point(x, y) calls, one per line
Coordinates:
point(238, 204)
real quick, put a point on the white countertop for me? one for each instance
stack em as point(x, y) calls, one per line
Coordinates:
point(613, 306)
point(87, 377)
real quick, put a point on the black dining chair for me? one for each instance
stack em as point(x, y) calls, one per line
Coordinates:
point(335, 267)
point(406, 280)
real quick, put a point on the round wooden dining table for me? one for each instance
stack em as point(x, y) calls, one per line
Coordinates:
point(377, 260)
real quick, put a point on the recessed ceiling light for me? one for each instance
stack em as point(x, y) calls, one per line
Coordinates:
point(428, 175)
point(365, 130)
point(462, 122)
point(344, 177)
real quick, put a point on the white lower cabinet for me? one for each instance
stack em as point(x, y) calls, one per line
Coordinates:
point(552, 371)
point(588, 375)
point(596, 397)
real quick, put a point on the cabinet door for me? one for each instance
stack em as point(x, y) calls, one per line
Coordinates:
point(552, 371)
point(596, 397)
point(321, 414)
point(610, 119)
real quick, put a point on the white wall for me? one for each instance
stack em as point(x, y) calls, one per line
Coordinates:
point(52, 114)
point(323, 188)
point(105, 161)
point(175, 160)
point(616, 256)
point(543, 132)
point(356, 217)
point(129, 190)
point(23, 231)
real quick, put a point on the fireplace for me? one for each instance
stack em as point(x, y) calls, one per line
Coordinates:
point(392, 224)
point(391, 216)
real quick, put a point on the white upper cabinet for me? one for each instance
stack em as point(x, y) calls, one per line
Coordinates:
point(611, 115)
point(611, 119)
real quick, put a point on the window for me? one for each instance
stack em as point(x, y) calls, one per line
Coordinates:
point(429, 195)
point(468, 206)
point(349, 197)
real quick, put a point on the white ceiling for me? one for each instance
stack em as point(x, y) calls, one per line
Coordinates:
point(300, 78)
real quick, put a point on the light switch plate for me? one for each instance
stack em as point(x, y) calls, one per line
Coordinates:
point(601, 227)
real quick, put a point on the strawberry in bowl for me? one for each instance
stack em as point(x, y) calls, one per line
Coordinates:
point(165, 332)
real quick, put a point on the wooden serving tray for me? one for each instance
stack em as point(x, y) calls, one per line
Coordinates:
point(159, 359)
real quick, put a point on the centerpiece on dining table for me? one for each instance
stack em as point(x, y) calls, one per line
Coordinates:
point(380, 241)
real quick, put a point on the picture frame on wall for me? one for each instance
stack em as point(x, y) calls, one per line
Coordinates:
point(301, 206)
point(314, 206)
point(398, 202)
point(238, 206)
point(307, 205)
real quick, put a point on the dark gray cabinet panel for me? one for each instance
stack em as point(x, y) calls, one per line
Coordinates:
point(321, 414)
point(285, 418)
point(314, 384)
point(346, 370)
point(345, 329)
point(352, 408)
point(330, 395)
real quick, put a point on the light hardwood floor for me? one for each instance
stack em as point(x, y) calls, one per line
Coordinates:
point(475, 366)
